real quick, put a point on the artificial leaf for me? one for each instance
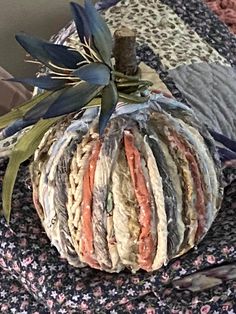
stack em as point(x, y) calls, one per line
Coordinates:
point(32, 115)
point(25, 148)
point(19, 111)
point(94, 73)
point(81, 22)
point(133, 99)
point(62, 55)
point(104, 5)
point(95, 102)
point(73, 99)
point(100, 32)
point(121, 77)
point(48, 53)
point(226, 154)
point(15, 127)
point(109, 101)
point(227, 142)
point(43, 82)
point(135, 84)
point(41, 108)
point(129, 87)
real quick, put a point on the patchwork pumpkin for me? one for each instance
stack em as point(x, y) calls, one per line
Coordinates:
point(145, 193)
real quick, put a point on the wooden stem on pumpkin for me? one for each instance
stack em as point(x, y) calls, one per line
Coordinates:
point(125, 51)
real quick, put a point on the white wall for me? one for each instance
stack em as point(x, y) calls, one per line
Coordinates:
point(37, 17)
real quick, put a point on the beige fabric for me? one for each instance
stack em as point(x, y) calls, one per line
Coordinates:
point(149, 74)
point(163, 30)
point(11, 94)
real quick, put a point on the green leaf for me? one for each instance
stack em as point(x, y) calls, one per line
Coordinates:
point(134, 84)
point(128, 87)
point(19, 111)
point(95, 102)
point(23, 150)
point(32, 115)
point(109, 101)
point(133, 99)
point(122, 76)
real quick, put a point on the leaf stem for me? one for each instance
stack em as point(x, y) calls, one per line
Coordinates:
point(127, 77)
point(129, 83)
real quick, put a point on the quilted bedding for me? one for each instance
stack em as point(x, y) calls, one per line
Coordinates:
point(194, 55)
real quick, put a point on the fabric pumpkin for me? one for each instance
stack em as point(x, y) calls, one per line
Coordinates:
point(143, 194)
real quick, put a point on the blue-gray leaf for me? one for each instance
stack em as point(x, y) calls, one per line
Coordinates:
point(81, 22)
point(38, 111)
point(46, 52)
point(15, 127)
point(43, 82)
point(227, 142)
point(109, 101)
point(226, 154)
point(94, 73)
point(73, 99)
point(100, 32)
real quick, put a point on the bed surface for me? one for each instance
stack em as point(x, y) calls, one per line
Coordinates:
point(194, 55)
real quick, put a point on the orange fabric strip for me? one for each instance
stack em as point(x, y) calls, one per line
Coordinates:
point(86, 229)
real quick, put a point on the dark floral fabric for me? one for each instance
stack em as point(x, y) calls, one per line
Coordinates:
point(34, 279)
point(15, 299)
point(37, 280)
